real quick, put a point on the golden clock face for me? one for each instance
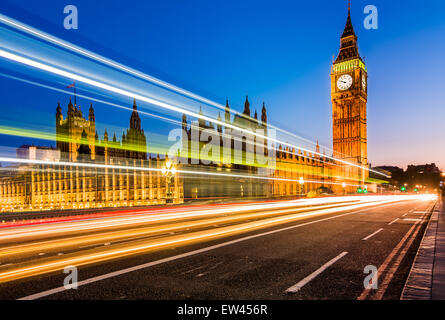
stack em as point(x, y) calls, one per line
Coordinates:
point(364, 83)
point(344, 82)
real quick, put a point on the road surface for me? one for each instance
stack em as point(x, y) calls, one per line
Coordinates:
point(304, 249)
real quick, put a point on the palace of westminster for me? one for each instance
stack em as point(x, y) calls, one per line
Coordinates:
point(91, 172)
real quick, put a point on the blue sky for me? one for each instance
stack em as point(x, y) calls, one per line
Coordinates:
point(279, 52)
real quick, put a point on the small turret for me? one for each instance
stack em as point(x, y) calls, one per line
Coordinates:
point(70, 109)
point(227, 112)
point(218, 126)
point(59, 115)
point(264, 114)
point(201, 121)
point(91, 114)
point(247, 107)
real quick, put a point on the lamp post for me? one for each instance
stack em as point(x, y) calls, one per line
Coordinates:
point(168, 171)
point(301, 182)
point(344, 188)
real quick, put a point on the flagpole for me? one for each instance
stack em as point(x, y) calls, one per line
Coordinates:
point(75, 93)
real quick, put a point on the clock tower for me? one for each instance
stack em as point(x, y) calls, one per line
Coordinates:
point(349, 97)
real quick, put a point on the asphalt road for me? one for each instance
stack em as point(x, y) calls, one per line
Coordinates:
point(291, 252)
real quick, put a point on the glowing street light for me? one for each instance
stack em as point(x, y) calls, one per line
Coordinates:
point(168, 171)
point(301, 182)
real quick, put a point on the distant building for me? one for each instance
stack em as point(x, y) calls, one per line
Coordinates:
point(38, 153)
point(423, 169)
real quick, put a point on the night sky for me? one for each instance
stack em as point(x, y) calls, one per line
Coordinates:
point(279, 52)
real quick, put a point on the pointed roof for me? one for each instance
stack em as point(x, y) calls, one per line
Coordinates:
point(247, 107)
point(348, 43)
point(134, 105)
point(349, 29)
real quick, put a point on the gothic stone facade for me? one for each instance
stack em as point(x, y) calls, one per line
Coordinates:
point(94, 173)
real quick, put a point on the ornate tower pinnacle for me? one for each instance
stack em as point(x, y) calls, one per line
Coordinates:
point(227, 112)
point(247, 107)
point(263, 114)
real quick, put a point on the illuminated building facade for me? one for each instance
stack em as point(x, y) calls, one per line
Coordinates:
point(283, 171)
point(233, 153)
point(95, 173)
point(302, 173)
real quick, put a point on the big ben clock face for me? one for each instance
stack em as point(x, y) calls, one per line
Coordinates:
point(344, 82)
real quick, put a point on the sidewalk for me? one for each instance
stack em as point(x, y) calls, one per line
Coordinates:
point(426, 280)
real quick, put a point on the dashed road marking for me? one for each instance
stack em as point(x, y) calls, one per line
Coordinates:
point(393, 221)
point(295, 288)
point(372, 234)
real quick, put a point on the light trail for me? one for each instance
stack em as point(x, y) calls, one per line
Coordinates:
point(110, 88)
point(170, 215)
point(204, 173)
point(86, 53)
point(50, 136)
point(78, 241)
point(116, 251)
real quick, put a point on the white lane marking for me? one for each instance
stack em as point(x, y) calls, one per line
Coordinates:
point(41, 253)
point(393, 221)
point(191, 253)
point(420, 212)
point(405, 214)
point(295, 288)
point(412, 219)
point(398, 253)
point(372, 234)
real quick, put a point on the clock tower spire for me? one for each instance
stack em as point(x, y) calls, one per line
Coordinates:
point(349, 99)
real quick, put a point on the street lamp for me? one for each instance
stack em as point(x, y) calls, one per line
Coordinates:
point(343, 185)
point(168, 172)
point(301, 182)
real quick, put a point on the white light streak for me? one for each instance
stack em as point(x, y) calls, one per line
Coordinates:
point(64, 44)
point(107, 87)
point(110, 166)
